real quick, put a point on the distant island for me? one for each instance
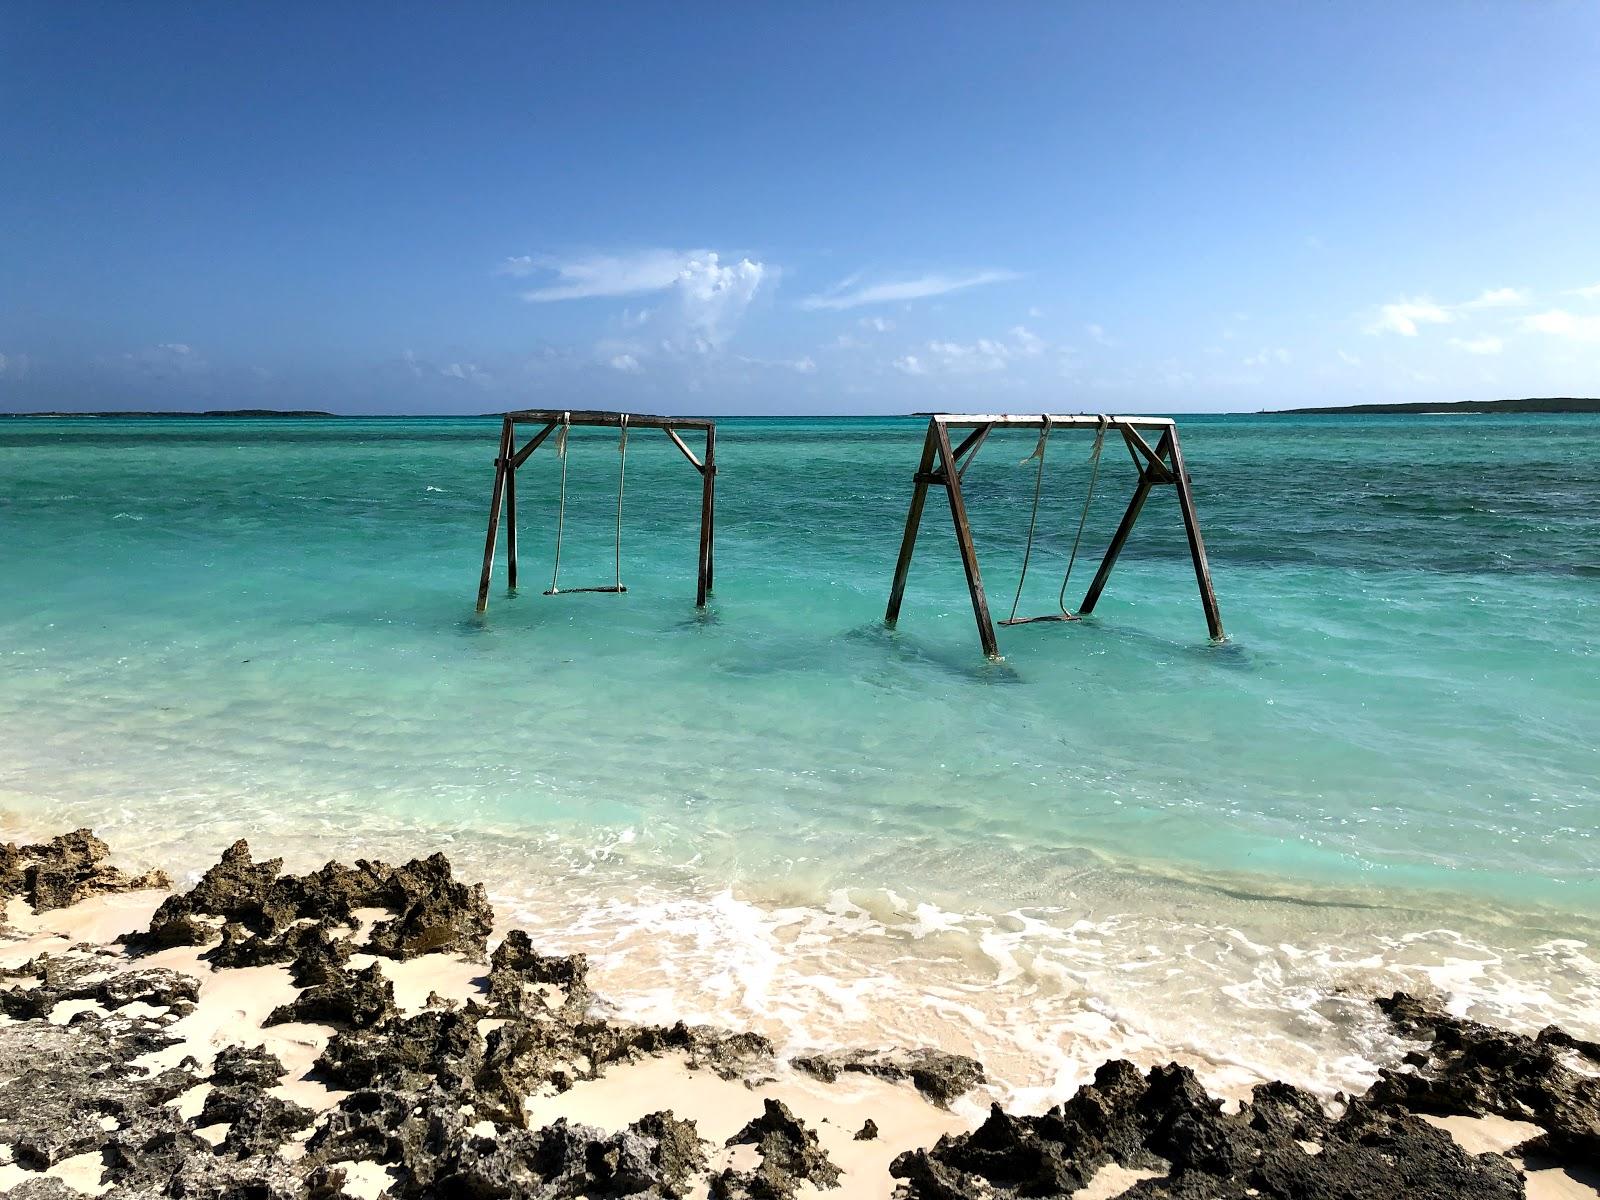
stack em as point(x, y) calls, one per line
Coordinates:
point(214, 412)
point(1547, 404)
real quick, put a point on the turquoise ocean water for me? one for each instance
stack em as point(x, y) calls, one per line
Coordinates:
point(1120, 839)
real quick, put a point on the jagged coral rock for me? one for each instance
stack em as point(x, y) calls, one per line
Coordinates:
point(65, 870)
point(790, 1155)
point(940, 1076)
point(260, 909)
point(436, 913)
point(1164, 1121)
point(349, 999)
point(1473, 1069)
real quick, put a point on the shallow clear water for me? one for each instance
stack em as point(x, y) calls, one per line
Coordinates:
point(1120, 839)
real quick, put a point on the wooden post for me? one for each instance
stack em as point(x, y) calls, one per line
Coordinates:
point(501, 464)
point(908, 540)
point(511, 514)
point(1197, 546)
point(708, 489)
point(1118, 540)
point(969, 553)
point(711, 545)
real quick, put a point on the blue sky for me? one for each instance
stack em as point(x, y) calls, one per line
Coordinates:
point(799, 208)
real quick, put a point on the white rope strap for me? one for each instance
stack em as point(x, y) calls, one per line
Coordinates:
point(1083, 517)
point(1033, 517)
point(561, 513)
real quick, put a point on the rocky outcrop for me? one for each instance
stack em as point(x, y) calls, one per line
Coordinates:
point(264, 916)
point(939, 1076)
point(57, 978)
point(346, 1000)
point(1471, 1069)
point(790, 1156)
point(438, 1098)
point(65, 870)
point(1280, 1146)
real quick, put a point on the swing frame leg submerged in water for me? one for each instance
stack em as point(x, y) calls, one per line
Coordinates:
point(944, 466)
point(503, 495)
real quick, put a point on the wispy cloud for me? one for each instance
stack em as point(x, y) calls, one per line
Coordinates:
point(1560, 323)
point(609, 275)
point(167, 360)
point(852, 293)
point(421, 368)
point(1264, 357)
point(703, 299)
point(1505, 297)
point(1487, 344)
point(1592, 292)
point(983, 356)
point(1405, 316)
point(804, 365)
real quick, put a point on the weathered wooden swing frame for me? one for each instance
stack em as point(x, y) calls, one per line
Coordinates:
point(1158, 466)
point(509, 459)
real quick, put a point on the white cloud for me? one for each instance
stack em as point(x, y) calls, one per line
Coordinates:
point(421, 368)
point(607, 274)
point(804, 365)
point(1560, 323)
point(1592, 292)
point(1498, 298)
point(848, 293)
point(1264, 356)
point(876, 324)
point(712, 298)
point(704, 301)
point(1403, 316)
point(1097, 333)
point(983, 356)
point(1349, 360)
point(1487, 344)
point(167, 360)
point(468, 372)
point(1027, 341)
point(626, 363)
point(958, 358)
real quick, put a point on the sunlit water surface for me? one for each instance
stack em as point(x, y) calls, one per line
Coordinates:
point(1120, 840)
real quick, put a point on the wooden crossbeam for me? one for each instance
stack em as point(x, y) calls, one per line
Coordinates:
point(683, 446)
point(593, 417)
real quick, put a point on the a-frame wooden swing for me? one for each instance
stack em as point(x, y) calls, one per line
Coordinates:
point(1158, 466)
point(560, 423)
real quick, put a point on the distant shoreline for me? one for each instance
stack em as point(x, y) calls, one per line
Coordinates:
point(1547, 404)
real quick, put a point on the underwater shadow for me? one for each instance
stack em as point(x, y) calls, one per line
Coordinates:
point(904, 649)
